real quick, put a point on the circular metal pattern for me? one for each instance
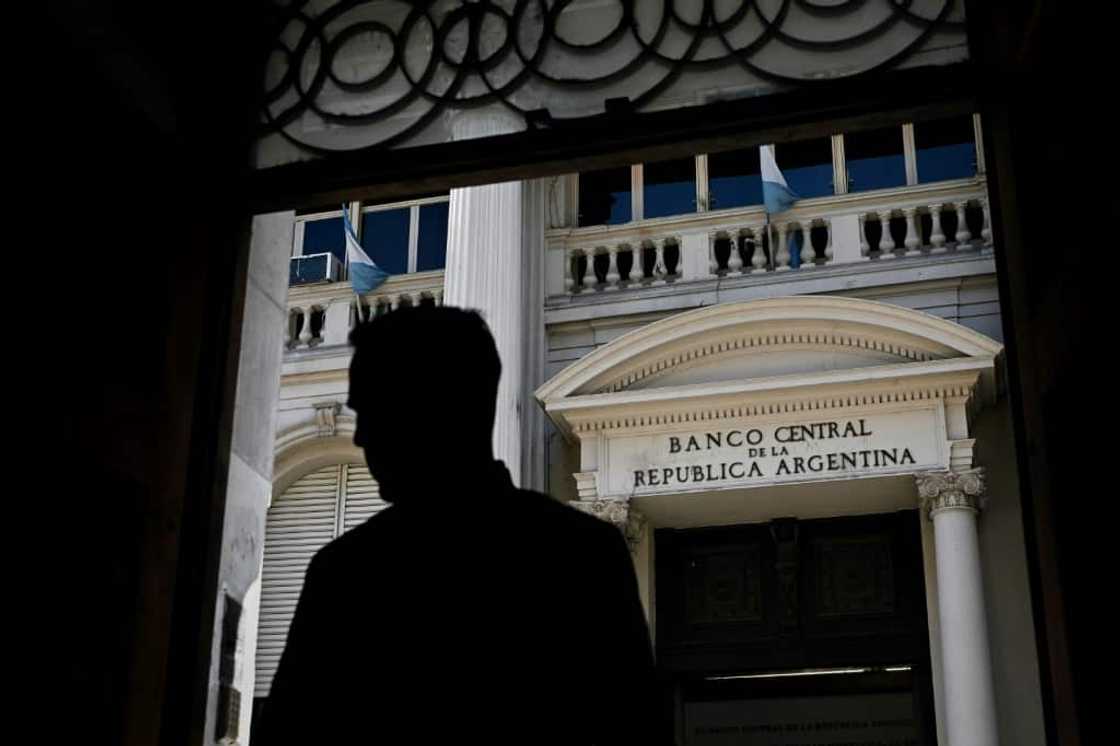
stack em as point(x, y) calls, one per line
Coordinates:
point(432, 56)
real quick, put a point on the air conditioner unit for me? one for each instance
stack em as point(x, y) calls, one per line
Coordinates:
point(314, 268)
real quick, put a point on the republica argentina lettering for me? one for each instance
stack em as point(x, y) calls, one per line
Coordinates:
point(877, 458)
point(839, 461)
point(695, 473)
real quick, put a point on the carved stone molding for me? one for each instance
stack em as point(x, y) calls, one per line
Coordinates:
point(326, 418)
point(960, 453)
point(948, 490)
point(586, 484)
point(618, 513)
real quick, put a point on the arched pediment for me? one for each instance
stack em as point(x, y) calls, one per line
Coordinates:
point(770, 356)
point(765, 338)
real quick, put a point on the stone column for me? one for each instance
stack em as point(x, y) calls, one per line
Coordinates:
point(488, 270)
point(952, 501)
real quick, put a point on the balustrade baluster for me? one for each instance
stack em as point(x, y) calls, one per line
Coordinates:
point(913, 235)
point(963, 235)
point(986, 227)
point(783, 247)
point(290, 329)
point(806, 257)
point(305, 331)
point(612, 268)
point(936, 235)
point(758, 258)
point(734, 259)
point(886, 240)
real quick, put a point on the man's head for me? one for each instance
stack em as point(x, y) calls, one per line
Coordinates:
point(424, 383)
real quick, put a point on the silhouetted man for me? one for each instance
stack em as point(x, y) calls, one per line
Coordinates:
point(469, 610)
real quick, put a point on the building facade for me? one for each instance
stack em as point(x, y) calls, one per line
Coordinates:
point(797, 420)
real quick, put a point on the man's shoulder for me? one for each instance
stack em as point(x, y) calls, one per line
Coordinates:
point(536, 509)
point(526, 512)
point(373, 534)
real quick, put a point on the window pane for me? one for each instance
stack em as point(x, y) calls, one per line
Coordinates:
point(875, 159)
point(734, 179)
point(945, 149)
point(385, 239)
point(325, 236)
point(670, 187)
point(807, 166)
point(604, 197)
point(431, 251)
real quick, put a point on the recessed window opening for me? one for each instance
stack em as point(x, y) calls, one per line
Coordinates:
point(669, 187)
point(875, 159)
point(807, 166)
point(384, 237)
point(734, 179)
point(604, 197)
point(945, 149)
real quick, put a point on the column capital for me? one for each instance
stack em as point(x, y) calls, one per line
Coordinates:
point(950, 490)
point(619, 514)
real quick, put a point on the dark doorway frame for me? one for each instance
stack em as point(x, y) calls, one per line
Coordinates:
point(136, 67)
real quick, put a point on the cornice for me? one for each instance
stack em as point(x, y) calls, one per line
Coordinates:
point(652, 346)
point(893, 386)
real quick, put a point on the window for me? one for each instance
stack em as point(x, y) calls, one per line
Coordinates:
point(734, 179)
point(875, 159)
point(431, 249)
point(807, 166)
point(669, 187)
point(324, 235)
point(401, 237)
point(384, 237)
point(945, 149)
point(604, 197)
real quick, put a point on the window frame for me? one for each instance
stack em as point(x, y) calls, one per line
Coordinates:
point(356, 211)
point(841, 182)
point(413, 206)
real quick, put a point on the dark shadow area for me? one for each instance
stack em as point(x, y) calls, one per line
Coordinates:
point(134, 235)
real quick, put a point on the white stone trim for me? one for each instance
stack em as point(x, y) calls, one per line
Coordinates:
point(652, 346)
point(586, 484)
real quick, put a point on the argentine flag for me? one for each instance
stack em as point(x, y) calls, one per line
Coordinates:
point(777, 196)
point(364, 274)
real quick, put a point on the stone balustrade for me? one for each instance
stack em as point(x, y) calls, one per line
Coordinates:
point(324, 314)
point(923, 220)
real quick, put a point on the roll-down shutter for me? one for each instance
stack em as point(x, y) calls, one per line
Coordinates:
point(315, 509)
